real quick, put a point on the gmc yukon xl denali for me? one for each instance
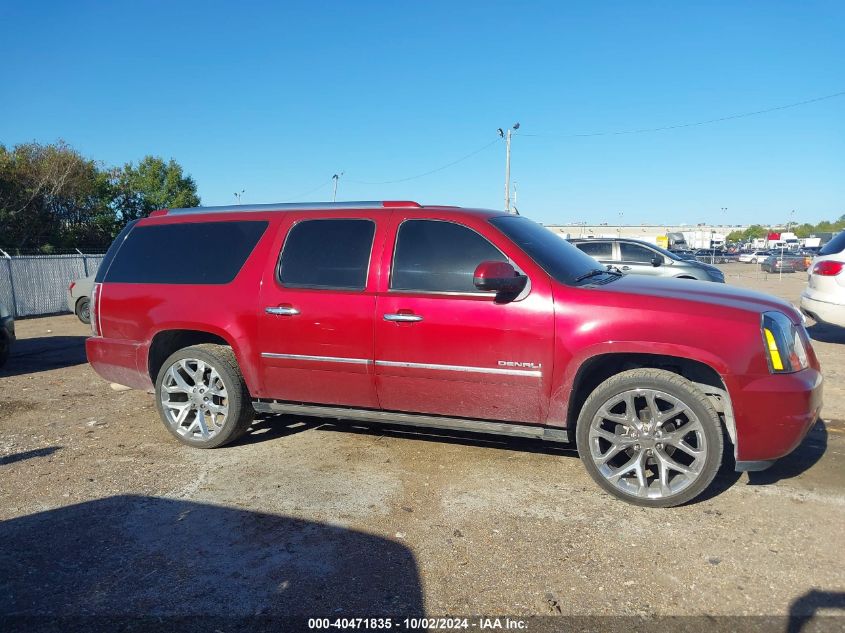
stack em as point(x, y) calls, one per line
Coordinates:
point(461, 319)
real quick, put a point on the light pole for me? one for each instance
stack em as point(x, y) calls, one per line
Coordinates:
point(507, 137)
point(238, 195)
point(335, 177)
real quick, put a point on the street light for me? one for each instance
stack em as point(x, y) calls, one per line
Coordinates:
point(238, 195)
point(335, 177)
point(507, 137)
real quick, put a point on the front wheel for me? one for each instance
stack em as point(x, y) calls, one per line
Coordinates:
point(650, 437)
point(202, 398)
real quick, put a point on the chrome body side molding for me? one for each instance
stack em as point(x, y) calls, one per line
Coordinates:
point(462, 368)
point(318, 359)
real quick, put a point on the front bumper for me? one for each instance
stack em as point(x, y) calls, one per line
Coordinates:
point(774, 413)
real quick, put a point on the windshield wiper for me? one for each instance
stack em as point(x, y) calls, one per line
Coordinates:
point(594, 272)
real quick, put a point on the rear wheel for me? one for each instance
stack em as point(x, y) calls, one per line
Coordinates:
point(202, 398)
point(83, 310)
point(650, 437)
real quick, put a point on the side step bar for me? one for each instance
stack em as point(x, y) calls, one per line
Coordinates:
point(512, 429)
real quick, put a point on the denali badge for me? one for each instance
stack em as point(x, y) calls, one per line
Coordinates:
point(514, 363)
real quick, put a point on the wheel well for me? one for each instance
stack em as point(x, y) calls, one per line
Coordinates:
point(169, 341)
point(597, 369)
point(79, 300)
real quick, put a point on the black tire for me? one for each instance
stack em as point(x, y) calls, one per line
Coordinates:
point(4, 351)
point(240, 411)
point(83, 310)
point(678, 388)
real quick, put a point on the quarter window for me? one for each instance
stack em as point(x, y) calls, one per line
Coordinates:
point(629, 252)
point(437, 256)
point(329, 254)
point(599, 250)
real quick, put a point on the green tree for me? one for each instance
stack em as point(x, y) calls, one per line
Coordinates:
point(51, 195)
point(152, 184)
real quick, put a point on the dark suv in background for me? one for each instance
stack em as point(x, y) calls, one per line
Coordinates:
point(636, 256)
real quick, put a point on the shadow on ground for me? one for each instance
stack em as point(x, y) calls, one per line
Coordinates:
point(825, 333)
point(133, 555)
point(33, 355)
point(805, 608)
point(19, 457)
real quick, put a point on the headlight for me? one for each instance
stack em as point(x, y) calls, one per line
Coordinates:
point(785, 349)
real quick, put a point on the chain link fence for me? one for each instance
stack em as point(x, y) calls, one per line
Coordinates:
point(32, 285)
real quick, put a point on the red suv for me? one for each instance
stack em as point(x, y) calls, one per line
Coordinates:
point(451, 318)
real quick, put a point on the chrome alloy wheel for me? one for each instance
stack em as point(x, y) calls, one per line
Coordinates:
point(194, 399)
point(647, 443)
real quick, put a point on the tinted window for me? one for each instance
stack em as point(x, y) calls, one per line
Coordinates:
point(836, 245)
point(556, 256)
point(434, 256)
point(327, 254)
point(110, 254)
point(599, 250)
point(190, 253)
point(629, 252)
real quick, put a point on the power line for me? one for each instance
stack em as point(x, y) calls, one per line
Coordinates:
point(432, 171)
point(310, 191)
point(684, 125)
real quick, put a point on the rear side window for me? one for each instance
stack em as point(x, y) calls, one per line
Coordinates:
point(328, 254)
point(190, 253)
point(437, 256)
point(635, 253)
point(834, 246)
point(599, 250)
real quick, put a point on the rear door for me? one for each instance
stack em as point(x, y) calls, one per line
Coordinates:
point(317, 302)
point(444, 347)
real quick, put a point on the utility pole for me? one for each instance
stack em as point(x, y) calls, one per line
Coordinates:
point(507, 137)
point(335, 177)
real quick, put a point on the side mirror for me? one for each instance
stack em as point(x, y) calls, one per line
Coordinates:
point(498, 277)
point(657, 260)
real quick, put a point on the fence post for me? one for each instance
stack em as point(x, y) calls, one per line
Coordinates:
point(84, 261)
point(11, 282)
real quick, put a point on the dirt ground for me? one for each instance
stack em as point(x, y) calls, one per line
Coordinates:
point(103, 512)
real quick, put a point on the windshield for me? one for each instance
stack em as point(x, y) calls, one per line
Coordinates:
point(556, 256)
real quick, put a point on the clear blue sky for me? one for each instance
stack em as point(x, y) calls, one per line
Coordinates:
point(275, 97)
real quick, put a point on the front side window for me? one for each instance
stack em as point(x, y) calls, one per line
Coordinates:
point(328, 254)
point(437, 256)
point(629, 252)
point(599, 250)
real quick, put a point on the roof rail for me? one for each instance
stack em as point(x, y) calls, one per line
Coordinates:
point(291, 206)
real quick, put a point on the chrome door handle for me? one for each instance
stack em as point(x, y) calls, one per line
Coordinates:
point(281, 311)
point(403, 318)
point(626, 268)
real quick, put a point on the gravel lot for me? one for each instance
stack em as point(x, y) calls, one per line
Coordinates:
point(104, 513)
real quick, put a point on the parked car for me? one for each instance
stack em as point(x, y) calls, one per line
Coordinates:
point(754, 257)
point(787, 263)
point(7, 333)
point(79, 297)
point(449, 318)
point(824, 297)
point(643, 258)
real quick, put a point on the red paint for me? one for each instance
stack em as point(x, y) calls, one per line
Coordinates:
point(531, 348)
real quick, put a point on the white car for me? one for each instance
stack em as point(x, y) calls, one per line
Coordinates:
point(753, 257)
point(79, 297)
point(824, 297)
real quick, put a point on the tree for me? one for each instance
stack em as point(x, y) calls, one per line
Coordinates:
point(152, 185)
point(50, 194)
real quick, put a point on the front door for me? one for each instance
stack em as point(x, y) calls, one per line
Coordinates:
point(316, 312)
point(636, 258)
point(442, 346)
